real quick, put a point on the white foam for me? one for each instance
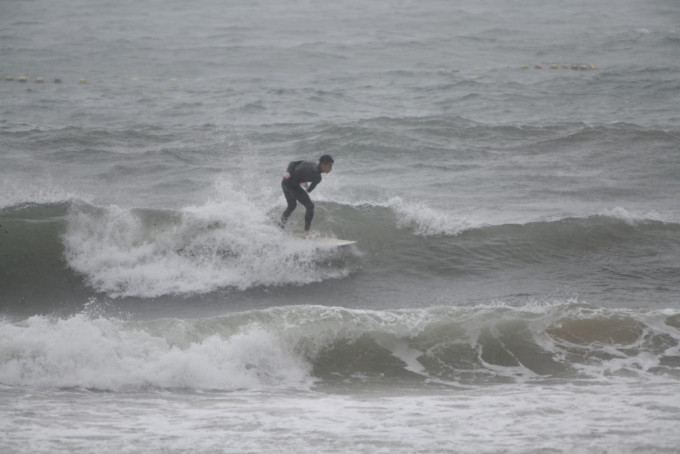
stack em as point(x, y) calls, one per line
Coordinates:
point(631, 217)
point(426, 221)
point(418, 216)
point(512, 418)
point(113, 355)
point(11, 194)
point(227, 242)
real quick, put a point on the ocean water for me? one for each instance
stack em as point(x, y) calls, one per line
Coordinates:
point(509, 170)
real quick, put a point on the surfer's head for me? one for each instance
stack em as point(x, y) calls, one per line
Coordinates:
point(326, 163)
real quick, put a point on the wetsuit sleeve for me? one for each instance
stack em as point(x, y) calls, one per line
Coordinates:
point(314, 183)
point(292, 165)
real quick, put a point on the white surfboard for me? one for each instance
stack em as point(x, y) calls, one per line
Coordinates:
point(330, 242)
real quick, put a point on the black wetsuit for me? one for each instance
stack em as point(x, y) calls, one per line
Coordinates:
point(300, 172)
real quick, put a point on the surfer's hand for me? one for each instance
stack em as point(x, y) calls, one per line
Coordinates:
point(304, 185)
point(286, 175)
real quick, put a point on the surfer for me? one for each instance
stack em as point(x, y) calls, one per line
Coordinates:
point(301, 174)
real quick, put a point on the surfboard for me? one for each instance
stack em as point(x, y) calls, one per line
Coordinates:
point(330, 242)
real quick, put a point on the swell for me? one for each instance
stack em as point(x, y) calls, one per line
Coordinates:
point(440, 138)
point(440, 243)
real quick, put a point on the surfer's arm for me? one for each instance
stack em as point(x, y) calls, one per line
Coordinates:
point(315, 180)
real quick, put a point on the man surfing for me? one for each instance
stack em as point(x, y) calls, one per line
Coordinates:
point(298, 175)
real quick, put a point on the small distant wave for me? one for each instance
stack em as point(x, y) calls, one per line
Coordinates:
point(303, 346)
point(635, 217)
point(11, 196)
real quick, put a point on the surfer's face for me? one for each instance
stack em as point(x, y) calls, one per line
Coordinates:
point(326, 168)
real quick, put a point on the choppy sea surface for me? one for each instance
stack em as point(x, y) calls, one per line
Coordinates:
point(509, 170)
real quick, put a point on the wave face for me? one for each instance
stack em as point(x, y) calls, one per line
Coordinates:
point(149, 253)
point(72, 251)
point(307, 346)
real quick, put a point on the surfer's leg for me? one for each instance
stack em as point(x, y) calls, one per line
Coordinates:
point(304, 199)
point(292, 203)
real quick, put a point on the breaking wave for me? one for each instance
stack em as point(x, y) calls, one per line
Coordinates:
point(78, 249)
point(306, 346)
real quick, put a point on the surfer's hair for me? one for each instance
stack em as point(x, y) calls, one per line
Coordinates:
point(326, 159)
